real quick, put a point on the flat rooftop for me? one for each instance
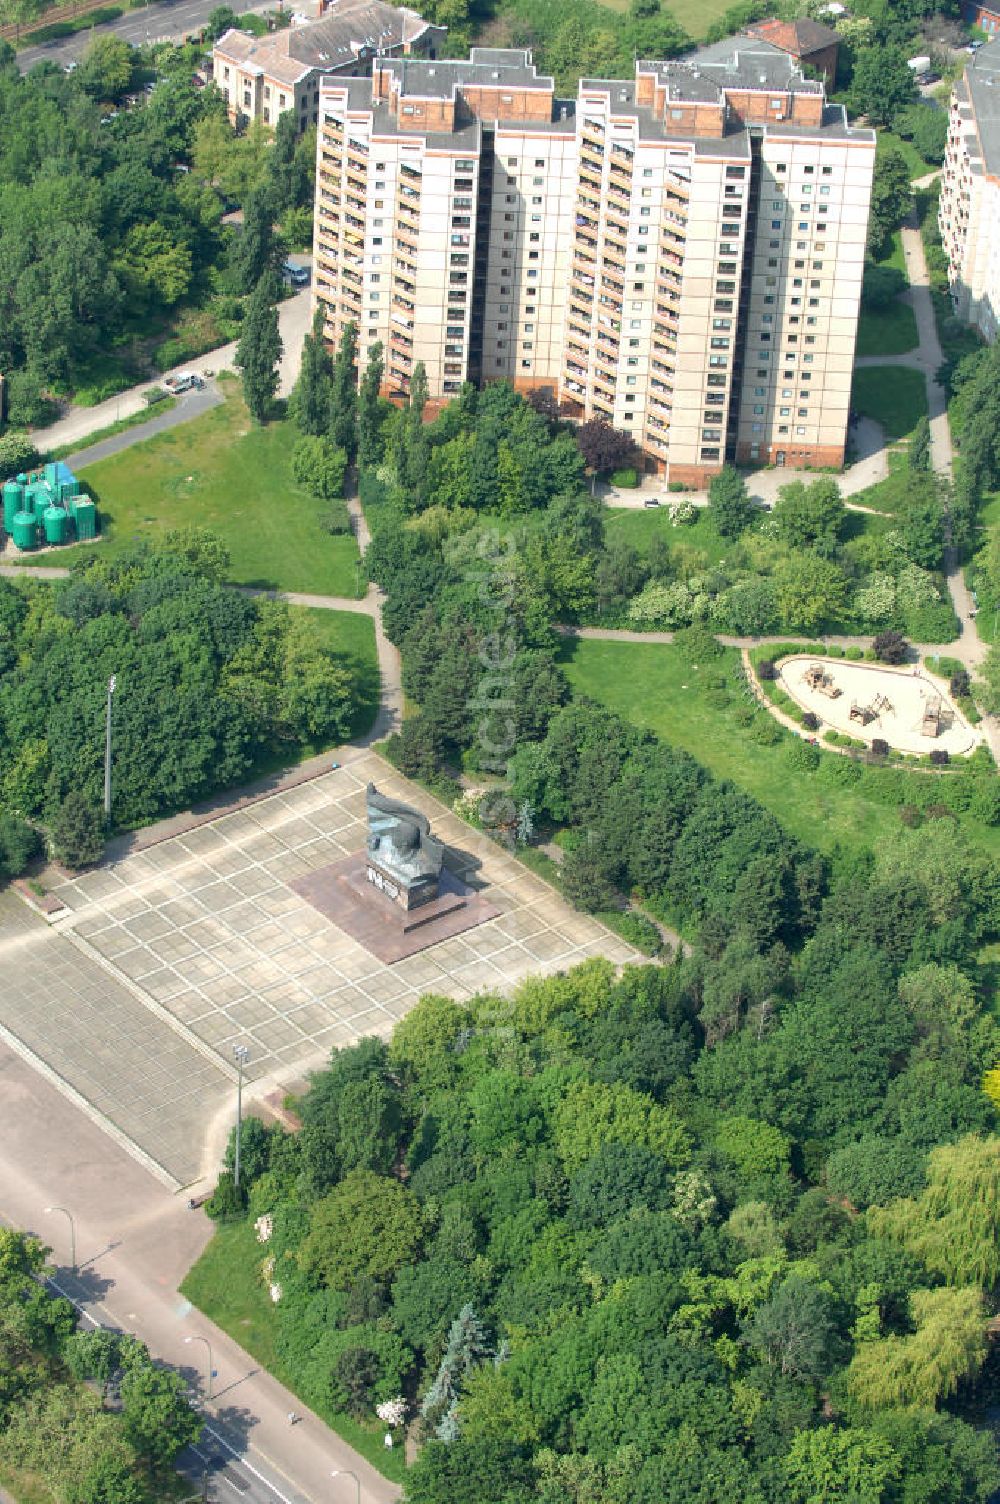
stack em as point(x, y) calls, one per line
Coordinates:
point(982, 80)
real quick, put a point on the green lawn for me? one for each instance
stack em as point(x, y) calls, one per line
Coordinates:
point(352, 636)
point(895, 396)
point(887, 331)
point(641, 526)
point(918, 167)
point(655, 687)
point(894, 256)
point(886, 495)
point(224, 1284)
point(222, 473)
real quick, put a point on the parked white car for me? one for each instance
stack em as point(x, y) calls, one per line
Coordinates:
point(182, 383)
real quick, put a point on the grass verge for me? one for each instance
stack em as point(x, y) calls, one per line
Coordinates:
point(895, 396)
point(887, 331)
point(122, 426)
point(223, 1284)
point(222, 473)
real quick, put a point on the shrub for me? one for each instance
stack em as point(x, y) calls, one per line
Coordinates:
point(338, 519)
point(910, 815)
point(626, 479)
point(880, 748)
point(810, 720)
point(635, 928)
point(890, 647)
point(18, 844)
point(228, 1199)
point(320, 466)
point(766, 670)
point(677, 485)
point(697, 644)
point(854, 654)
point(77, 831)
point(959, 684)
point(17, 452)
point(940, 758)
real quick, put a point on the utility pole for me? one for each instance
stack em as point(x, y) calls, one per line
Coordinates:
point(242, 1056)
point(107, 754)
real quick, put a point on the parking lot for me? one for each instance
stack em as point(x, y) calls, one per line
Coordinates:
point(203, 936)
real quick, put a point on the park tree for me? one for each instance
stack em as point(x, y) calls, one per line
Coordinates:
point(256, 249)
point(320, 466)
point(926, 1367)
point(809, 590)
point(106, 67)
point(343, 420)
point(882, 85)
point(953, 1225)
point(795, 1329)
point(926, 125)
point(856, 1465)
point(17, 452)
point(154, 265)
point(371, 417)
point(469, 1345)
point(198, 551)
point(260, 348)
point(811, 516)
point(729, 505)
point(313, 391)
point(891, 198)
point(604, 448)
point(367, 1225)
point(157, 1415)
point(220, 20)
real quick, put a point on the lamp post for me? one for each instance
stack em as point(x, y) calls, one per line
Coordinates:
point(72, 1232)
point(242, 1056)
point(107, 754)
point(345, 1472)
point(208, 1347)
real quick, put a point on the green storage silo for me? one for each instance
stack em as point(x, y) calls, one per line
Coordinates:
point(24, 530)
point(50, 474)
point(85, 517)
point(56, 524)
point(13, 501)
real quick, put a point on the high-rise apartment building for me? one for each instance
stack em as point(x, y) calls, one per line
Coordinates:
point(680, 253)
point(969, 208)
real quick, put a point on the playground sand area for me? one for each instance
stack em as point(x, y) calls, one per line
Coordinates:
point(906, 707)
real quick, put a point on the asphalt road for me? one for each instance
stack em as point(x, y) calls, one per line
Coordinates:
point(134, 1241)
point(168, 20)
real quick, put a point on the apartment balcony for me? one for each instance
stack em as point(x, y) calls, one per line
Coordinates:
point(587, 240)
point(400, 322)
point(575, 386)
point(583, 277)
point(576, 370)
point(594, 184)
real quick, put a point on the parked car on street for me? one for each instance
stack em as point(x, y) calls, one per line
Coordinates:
point(298, 276)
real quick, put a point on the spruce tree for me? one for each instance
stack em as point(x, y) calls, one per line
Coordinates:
point(344, 393)
point(259, 349)
point(313, 390)
point(371, 445)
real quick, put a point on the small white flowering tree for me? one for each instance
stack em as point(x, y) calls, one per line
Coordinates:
point(392, 1412)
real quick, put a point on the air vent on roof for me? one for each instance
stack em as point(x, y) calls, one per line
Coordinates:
point(430, 72)
point(495, 73)
point(623, 95)
point(763, 78)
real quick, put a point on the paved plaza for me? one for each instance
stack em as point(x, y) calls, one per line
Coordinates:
point(199, 943)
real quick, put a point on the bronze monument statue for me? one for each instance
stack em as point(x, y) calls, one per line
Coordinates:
point(404, 860)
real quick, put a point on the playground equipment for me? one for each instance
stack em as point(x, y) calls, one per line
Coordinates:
point(877, 706)
point(47, 505)
point(817, 678)
point(931, 723)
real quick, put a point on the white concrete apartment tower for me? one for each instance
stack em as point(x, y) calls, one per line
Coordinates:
point(969, 208)
point(680, 253)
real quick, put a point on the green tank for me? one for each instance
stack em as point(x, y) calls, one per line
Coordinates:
point(56, 523)
point(24, 530)
point(85, 517)
point(13, 501)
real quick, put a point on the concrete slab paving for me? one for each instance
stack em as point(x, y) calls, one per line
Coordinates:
point(160, 963)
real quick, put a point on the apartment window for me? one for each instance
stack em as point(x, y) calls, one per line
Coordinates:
point(638, 286)
point(800, 432)
point(718, 360)
point(807, 187)
point(632, 361)
point(536, 200)
point(501, 344)
point(645, 212)
point(775, 104)
point(784, 412)
point(709, 454)
point(634, 344)
point(267, 91)
point(716, 380)
point(765, 338)
point(821, 228)
point(776, 203)
point(825, 189)
point(814, 302)
point(723, 305)
point(735, 172)
point(796, 281)
point(758, 427)
point(407, 109)
point(760, 391)
point(630, 381)
point(459, 166)
point(774, 245)
point(455, 331)
point(722, 323)
point(527, 344)
point(511, 161)
point(723, 344)
point(781, 167)
point(539, 161)
point(769, 300)
point(537, 182)
point(525, 365)
point(759, 408)
point(647, 172)
point(761, 372)
point(373, 297)
point(677, 114)
point(267, 115)
point(375, 277)
point(802, 412)
point(786, 392)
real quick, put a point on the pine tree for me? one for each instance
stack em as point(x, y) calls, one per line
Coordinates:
point(259, 349)
point(371, 445)
point(344, 392)
point(313, 390)
point(413, 451)
point(918, 454)
point(469, 1345)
